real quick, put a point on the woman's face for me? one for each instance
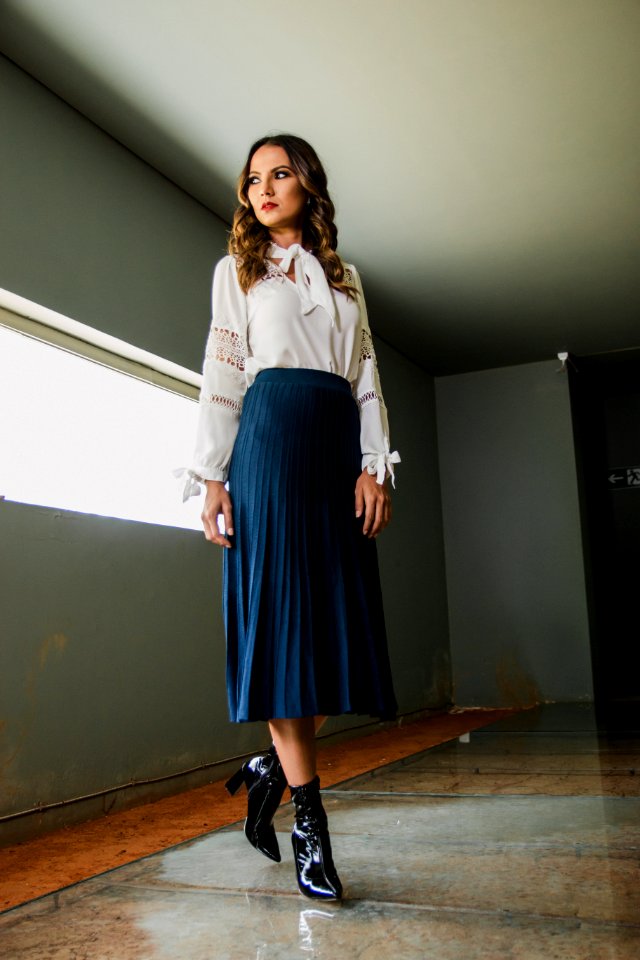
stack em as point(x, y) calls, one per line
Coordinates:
point(274, 191)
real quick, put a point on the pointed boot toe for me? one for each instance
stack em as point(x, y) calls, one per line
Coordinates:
point(315, 870)
point(264, 839)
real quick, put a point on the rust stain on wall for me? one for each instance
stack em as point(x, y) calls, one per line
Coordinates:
point(3, 761)
point(517, 688)
point(55, 643)
point(16, 737)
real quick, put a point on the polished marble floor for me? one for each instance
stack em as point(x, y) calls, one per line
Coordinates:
point(520, 840)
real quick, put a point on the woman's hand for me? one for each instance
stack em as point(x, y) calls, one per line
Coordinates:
point(372, 498)
point(217, 502)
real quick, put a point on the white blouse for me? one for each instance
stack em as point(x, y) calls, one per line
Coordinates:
point(282, 323)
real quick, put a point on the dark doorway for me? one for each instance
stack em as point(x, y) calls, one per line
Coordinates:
point(605, 401)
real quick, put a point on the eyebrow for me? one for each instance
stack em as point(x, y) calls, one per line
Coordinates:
point(281, 166)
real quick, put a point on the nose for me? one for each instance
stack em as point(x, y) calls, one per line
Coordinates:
point(267, 188)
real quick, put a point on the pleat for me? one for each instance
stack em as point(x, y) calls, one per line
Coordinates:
point(301, 591)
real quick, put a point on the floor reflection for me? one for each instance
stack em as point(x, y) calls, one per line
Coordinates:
point(312, 920)
point(521, 840)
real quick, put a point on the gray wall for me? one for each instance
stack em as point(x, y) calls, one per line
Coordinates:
point(515, 580)
point(112, 643)
point(110, 666)
point(92, 231)
point(411, 548)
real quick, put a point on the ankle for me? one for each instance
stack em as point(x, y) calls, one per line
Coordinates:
point(310, 786)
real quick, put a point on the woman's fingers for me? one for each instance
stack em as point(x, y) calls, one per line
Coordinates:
point(227, 512)
point(378, 517)
point(373, 499)
point(386, 515)
point(212, 531)
point(217, 502)
point(366, 504)
point(220, 540)
point(376, 512)
point(369, 513)
point(382, 514)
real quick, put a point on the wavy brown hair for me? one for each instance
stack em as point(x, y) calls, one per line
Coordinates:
point(249, 240)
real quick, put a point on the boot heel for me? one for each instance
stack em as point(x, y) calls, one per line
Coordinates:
point(234, 783)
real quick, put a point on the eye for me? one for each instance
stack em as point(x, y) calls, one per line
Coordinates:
point(282, 174)
point(252, 180)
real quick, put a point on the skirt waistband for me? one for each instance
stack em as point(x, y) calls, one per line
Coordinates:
point(304, 377)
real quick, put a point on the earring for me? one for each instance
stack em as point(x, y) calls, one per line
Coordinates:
point(308, 201)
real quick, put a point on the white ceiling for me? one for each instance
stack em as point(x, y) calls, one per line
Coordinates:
point(482, 154)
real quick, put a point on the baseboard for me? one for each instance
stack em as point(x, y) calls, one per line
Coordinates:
point(25, 825)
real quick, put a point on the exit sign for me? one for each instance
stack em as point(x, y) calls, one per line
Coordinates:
point(623, 478)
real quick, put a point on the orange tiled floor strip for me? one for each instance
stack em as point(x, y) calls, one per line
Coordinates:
point(40, 866)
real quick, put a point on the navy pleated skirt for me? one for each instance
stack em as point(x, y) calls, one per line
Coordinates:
point(301, 590)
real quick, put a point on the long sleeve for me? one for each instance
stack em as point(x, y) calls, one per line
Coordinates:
point(374, 424)
point(223, 381)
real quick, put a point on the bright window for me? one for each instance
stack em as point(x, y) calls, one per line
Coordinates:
point(78, 435)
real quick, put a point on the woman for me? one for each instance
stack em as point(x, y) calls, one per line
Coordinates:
point(292, 415)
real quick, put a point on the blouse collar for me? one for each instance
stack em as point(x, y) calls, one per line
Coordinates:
point(314, 291)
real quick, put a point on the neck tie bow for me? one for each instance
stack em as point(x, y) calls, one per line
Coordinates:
point(314, 291)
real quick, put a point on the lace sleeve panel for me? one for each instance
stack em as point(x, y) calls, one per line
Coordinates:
point(228, 348)
point(377, 456)
point(368, 354)
point(223, 382)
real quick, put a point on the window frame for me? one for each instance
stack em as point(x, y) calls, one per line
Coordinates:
point(41, 323)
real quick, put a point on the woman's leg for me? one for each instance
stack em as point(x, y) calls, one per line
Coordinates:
point(295, 743)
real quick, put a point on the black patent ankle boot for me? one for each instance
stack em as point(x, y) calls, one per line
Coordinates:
point(316, 873)
point(265, 782)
